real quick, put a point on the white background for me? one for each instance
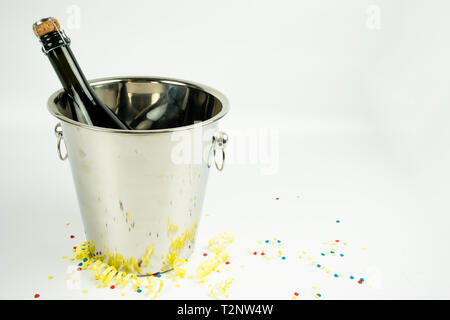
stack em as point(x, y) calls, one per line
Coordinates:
point(361, 109)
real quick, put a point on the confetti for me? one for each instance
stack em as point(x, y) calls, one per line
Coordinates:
point(50, 277)
point(72, 236)
point(37, 295)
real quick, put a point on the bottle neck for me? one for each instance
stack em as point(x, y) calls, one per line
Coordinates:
point(66, 66)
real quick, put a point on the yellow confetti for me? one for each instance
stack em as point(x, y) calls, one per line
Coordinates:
point(85, 291)
point(50, 277)
point(221, 289)
point(64, 257)
point(67, 224)
point(68, 277)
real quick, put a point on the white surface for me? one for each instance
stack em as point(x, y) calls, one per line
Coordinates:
point(362, 117)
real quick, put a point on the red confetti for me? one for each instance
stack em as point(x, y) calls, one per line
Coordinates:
point(37, 295)
point(360, 282)
point(254, 253)
point(336, 240)
point(72, 236)
point(296, 294)
point(112, 287)
point(74, 248)
point(262, 253)
point(204, 254)
point(228, 262)
point(277, 198)
point(78, 269)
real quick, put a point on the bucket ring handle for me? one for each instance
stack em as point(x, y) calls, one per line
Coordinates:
point(59, 136)
point(219, 141)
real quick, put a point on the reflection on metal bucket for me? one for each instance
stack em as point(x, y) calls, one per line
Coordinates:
point(139, 204)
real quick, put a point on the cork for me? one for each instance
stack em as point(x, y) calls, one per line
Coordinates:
point(45, 26)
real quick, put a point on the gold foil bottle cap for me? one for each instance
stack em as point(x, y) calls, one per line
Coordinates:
point(45, 26)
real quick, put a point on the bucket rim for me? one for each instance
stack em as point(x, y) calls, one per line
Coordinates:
point(51, 106)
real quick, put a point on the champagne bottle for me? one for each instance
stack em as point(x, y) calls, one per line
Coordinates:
point(85, 106)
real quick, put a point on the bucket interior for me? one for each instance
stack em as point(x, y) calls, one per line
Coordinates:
point(148, 104)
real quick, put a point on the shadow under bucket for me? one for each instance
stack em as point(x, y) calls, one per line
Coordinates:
point(141, 192)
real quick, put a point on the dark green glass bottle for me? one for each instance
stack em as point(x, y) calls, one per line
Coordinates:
point(86, 107)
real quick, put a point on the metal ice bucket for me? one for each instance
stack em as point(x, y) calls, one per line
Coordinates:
point(141, 192)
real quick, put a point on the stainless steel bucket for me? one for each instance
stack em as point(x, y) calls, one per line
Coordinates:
point(141, 192)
